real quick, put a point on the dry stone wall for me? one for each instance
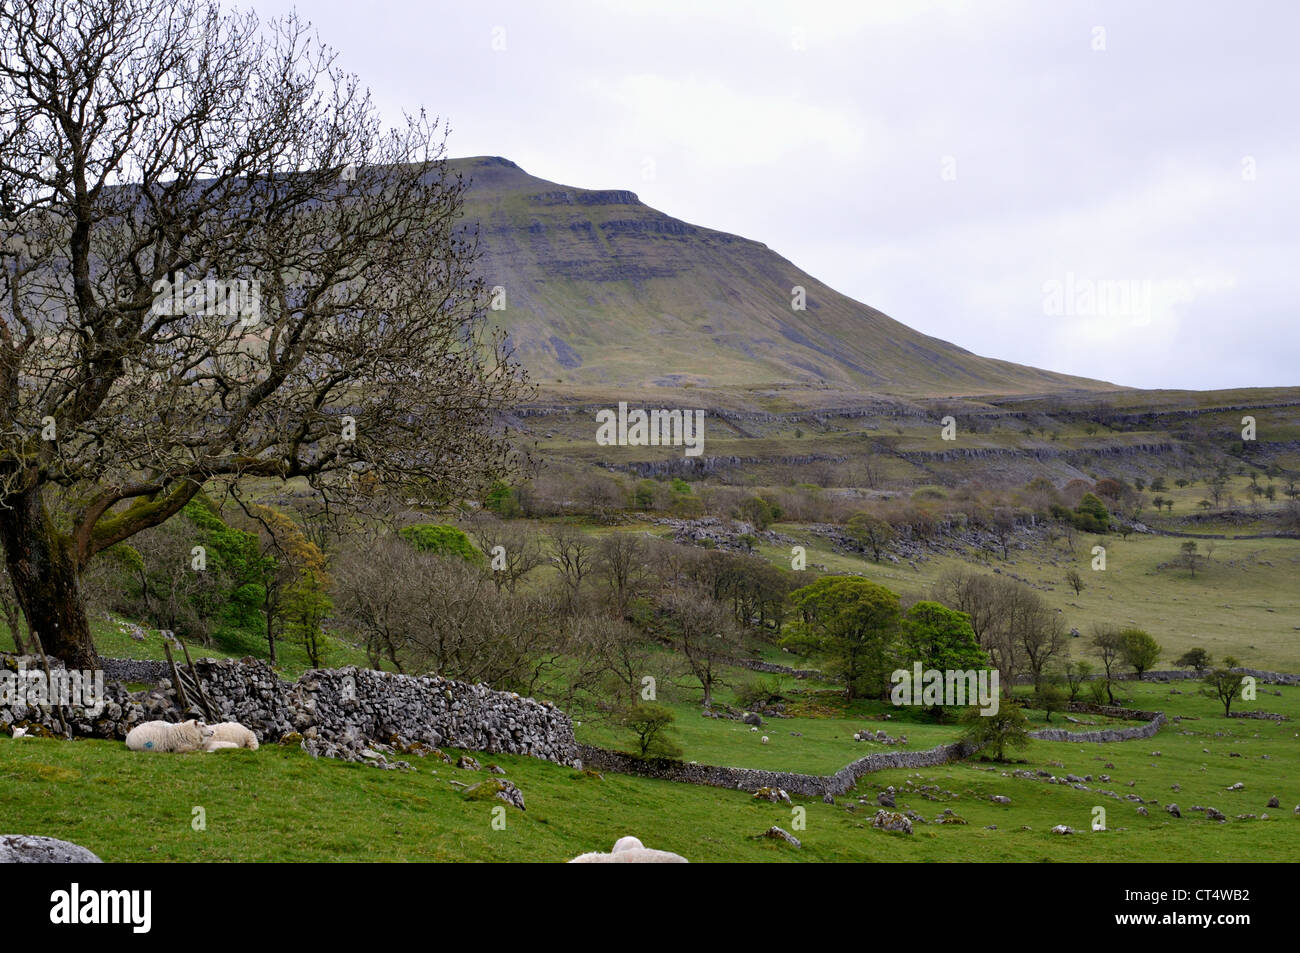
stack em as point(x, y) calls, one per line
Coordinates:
point(843, 780)
point(751, 779)
point(334, 713)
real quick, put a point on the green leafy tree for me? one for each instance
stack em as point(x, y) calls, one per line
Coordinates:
point(1008, 728)
point(939, 638)
point(651, 724)
point(1138, 650)
point(287, 558)
point(503, 500)
point(305, 606)
point(643, 497)
point(1050, 697)
point(1224, 684)
point(1091, 515)
point(1197, 658)
point(760, 512)
point(853, 622)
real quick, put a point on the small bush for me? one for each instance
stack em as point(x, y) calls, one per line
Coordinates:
point(442, 541)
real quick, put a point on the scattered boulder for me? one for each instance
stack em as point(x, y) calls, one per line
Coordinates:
point(496, 788)
point(1062, 829)
point(1214, 815)
point(777, 833)
point(468, 764)
point(1274, 802)
point(34, 849)
point(1173, 809)
point(891, 821)
point(775, 795)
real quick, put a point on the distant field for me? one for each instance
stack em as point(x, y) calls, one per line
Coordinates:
point(1244, 602)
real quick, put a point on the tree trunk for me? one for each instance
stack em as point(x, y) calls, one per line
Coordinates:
point(11, 620)
point(43, 569)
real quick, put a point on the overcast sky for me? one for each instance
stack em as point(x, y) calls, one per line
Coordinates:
point(974, 170)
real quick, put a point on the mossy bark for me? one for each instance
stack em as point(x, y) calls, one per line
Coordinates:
point(43, 568)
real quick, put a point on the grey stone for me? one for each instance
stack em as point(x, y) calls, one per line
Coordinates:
point(34, 849)
point(890, 821)
point(777, 833)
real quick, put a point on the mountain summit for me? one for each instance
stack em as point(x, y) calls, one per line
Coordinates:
point(603, 292)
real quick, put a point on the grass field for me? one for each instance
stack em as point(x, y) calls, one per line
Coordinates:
point(1243, 602)
point(279, 804)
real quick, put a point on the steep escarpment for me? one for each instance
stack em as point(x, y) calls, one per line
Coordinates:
point(604, 292)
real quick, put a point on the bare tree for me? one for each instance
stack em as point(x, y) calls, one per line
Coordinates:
point(608, 660)
point(574, 554)
point(703, 632)
point(519, 554)
point(621, 563)
point(1038, 629)
point(216, 264)
point(427, 612)
point(1109, 646)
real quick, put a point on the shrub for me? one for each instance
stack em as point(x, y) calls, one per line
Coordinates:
point(650, 723)
point(441, 541)
point(1091, 515)
point(503, 500)
point(1196, 658)
point(1008, 728)
point(760, 512)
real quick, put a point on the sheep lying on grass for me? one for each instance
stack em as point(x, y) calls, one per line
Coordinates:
point(629, 850)
point(231, 734)
point(164, 736)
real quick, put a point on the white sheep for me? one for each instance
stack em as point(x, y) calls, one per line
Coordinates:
point(233, 732)
point(630, 850)
point(165, 736)
point(764, 739)
point(212, 746)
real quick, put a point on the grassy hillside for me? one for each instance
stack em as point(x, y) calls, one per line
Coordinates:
point(603, 292)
